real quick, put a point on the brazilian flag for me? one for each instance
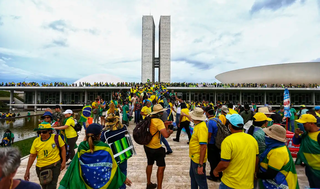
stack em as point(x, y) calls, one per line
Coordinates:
point(93, 170)
point(86, 113)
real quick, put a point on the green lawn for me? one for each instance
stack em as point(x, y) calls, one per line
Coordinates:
point(24, 146)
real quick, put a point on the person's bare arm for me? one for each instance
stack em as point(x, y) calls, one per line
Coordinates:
point(203, 149)
point(166, 133)
point(32, 157)
point(220, 167)
point(209, 136)
point(63, 155)
point(61, 127)
point(257, 167)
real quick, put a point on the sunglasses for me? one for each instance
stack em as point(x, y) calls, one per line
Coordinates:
point(43, 132)
point(47, 117)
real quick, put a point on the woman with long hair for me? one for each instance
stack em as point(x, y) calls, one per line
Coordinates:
point(94, 166)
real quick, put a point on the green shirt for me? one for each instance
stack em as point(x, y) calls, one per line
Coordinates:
point(125, 110)
point(292, 111)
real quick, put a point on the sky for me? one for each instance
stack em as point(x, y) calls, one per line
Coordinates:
point(58, 40)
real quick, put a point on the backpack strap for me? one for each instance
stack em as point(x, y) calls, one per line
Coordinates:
point(251, 130)
point(56, 140)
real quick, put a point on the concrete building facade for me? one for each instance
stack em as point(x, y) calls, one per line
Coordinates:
point(164, 49)
point(148, 48)
point(148, 60)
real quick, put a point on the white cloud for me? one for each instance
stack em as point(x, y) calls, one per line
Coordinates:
point(105, 36)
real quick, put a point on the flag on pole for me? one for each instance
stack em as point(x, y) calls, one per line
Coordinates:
point(286, 104)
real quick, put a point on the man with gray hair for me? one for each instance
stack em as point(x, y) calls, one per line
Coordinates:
point(9, 163)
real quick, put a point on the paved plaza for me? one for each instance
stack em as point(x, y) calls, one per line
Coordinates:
point(177, 167)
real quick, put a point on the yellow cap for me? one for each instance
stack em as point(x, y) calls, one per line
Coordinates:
point(307, 118)
point(261, 117)
point(302, 106)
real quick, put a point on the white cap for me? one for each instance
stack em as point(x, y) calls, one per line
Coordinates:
point(68, 111)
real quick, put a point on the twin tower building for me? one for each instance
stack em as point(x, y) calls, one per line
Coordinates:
point(149, 61)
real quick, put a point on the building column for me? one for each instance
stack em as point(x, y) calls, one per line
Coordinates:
point(11, 100)
point(35, 100)
point(85, 97)
point(240, 98)
point(215, 97)
point(189, 96)
point(265, 97)
point(60, 98)
point(314, 98)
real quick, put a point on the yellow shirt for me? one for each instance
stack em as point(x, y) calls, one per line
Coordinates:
point(277, 159)
point(241, 150)
point(318, 114)
point(47, 151)
point(199, 136)
point(152, 97)
point(223, 119)
point(95, 104)
point(146, 110)
point(156, 125)
point(232, 111)
point(184, 118)
point(70, 132)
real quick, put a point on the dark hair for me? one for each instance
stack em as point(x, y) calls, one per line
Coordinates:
point(230, 105)
point(258, 123)
point(183, 105)
point(236, 128)
point(312, 112)
point(91, 138)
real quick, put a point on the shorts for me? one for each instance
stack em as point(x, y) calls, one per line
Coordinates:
point(104, 113)
point(157, 155)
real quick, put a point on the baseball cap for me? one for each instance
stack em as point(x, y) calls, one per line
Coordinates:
point(68, 111)
point(94, 128)
point(235, 120)
point(317, 108)
point(307, 118)
point(302, 106)
point(259, 116)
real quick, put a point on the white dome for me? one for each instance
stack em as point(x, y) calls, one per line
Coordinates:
point(99, 78)
point(294, 73)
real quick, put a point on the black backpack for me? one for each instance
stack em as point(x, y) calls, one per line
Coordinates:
point(141, 133)
point(77, 127)
point(222, 133)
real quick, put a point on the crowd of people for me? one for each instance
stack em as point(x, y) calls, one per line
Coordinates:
point(245, 146)
point(8, 115)
point(175, 84)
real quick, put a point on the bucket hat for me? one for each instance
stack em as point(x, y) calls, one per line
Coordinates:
point(44, 126)
point(47, 114)
point(225, 109)
point(157, 109)
point(264, 110)
point(276, 132)
point(198, 114)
